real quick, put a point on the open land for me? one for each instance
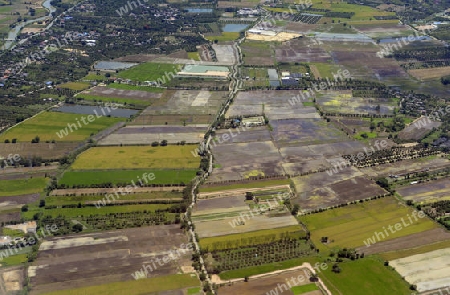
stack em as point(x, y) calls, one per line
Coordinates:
point(105, 257)
point(352, 225)
point(46, 125)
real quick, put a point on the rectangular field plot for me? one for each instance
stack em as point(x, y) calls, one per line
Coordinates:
point(428, 192)
point(320, 190)
point(428, 271)
point(121, 96)
point(364, 276)
point(47, 125)
point(112, 257)
point(41, 149)
point(22, 186)
point(274, 104)
point(95, 178)
point(134, 135)
point(406, 166)
point(302, 50)
point(305, 132)
point(239, 135)
point(269, 283)
point(351, 226)
point(251, 238)
point(344, 102)
point(228, 226)
point(137, 157)
point(242, 160)
point(183, 107)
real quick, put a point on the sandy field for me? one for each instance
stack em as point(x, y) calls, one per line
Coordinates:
point(428, 271)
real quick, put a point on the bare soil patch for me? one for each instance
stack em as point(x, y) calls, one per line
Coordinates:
point(408, 242)
point(93, 259)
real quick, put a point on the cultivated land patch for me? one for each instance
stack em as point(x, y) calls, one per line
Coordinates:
point(383, 30)
point(274, 104)
point(426, 74)
point(427, 192)
point(406, 166)
point(107, 257)
point(135, 135)
point(46, 125)
point(169, 284)
point(22, 186)
point(302, 50)
point(137, 157)
point(43, 150)
point(122, 96)
point(361, 60)
point(320, 190)
point(242, 160)
point(250, 238)
point(257, 53)
point(300, 158)
point(418, 129)
point(266, 284)
point(417, 243)
point(151, 72)
point(305, 132)
point(95, 178)
point(364, 276)
point(344, 102)
point(183, 107)
point(351, 226)
point(428, 271)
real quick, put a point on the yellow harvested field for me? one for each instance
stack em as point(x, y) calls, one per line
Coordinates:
point(137, 157)
point(432, 73)
point(280, 37)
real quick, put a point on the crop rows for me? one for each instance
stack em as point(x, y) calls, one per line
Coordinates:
point(126, 220)
point(261, 254)
point(307, 18)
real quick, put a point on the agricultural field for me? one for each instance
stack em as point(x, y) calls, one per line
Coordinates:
point(242, 160)
point(406, 166)
point(268, 283)
point(122, 94)
point(75, 86)
point(428, 74)
point(108, 178)
point(151, 72)
point(251, 238)
point(344, 102)
point(319, 190)
point(418, 243)
point(170, 283)
point(418, 129)
point(257, 53)
point(137, 135)
point(302, 50)
point(364, 276)
point(137, 157)
point(11, 280)
point(115, 257)
point(276, 105)
point(379, 30)
point(43, 150)
point(231, 215)
point(257, 77)
point(183, 107)
point(428, 271)
point(428, 192)
point(356, 224)
point(22, 186)
point(47, 126)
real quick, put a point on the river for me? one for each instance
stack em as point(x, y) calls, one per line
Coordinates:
point(19, 26)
